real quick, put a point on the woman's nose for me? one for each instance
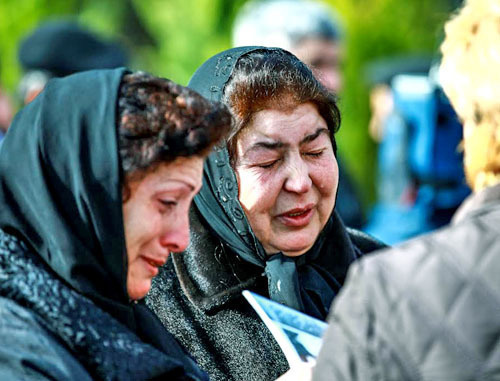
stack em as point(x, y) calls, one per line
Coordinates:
point(175, 235)
point(298, 179)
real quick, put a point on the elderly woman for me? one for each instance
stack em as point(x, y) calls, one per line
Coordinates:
point(264, 219)
point(96, 178)
point(430, 308)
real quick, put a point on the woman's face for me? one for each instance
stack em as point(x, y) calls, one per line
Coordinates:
point(288, 176)
point(155, 218)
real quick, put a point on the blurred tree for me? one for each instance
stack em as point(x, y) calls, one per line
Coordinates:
point(18, 17)
point(172, 38)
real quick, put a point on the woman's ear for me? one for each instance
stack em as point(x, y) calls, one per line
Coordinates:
point(125, 192)
point(130, 180)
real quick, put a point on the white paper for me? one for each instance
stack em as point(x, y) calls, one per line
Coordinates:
point(298, 335)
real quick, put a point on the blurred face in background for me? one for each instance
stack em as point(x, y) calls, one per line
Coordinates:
point(6, 111)
point(324, 57)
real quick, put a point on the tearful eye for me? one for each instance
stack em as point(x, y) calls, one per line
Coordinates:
point(168, 202)
point(166, 205)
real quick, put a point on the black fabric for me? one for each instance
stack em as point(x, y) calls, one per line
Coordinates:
point(60, 192)
point(63, 48)
point(307, 283)
point(60, 183)
point(69, 337)
point(197, 296)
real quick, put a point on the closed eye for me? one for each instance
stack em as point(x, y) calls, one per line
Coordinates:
point(168, 202)
point(167, 205)
point(269, 164)
point(314, 153)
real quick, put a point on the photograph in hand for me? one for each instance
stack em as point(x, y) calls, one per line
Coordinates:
point(299, 335)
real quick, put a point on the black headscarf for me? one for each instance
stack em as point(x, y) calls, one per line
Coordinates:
point(308, 282)
point(60, 192)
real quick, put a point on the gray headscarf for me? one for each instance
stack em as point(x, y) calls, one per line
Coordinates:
point(307, 283)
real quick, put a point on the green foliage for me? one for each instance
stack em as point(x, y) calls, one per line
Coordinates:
point(172, 38)
point(17, 17)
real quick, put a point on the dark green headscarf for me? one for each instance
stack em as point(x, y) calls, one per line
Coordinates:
point(60, 186)
point(60, 192)
point(307, 283)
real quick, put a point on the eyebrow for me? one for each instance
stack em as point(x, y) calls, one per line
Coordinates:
point(181, 186)
point(279, 144)
point(314, 135)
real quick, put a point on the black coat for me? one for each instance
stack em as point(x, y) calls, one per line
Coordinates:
point(198, 298)
point(61, 196)
point(50, 331)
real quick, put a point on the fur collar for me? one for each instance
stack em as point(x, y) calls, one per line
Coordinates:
point(212, 277)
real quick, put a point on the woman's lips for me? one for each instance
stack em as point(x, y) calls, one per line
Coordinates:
point(297, 217)
point(152, 264)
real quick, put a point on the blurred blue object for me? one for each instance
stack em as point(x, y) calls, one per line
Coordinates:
point(421, 181)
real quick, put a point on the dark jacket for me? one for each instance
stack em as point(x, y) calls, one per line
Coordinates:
point(426, 310)
point(198, 298)
point(49, 331)
point(63, 263)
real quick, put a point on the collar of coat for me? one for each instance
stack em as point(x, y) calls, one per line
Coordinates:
point(211, 276)
point(477, 203)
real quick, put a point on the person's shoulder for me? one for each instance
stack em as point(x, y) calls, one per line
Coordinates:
point(429, 271)
point(396, 264)
point(408, 293)
point(364, 242)
point(459, 246)
point(29, 352)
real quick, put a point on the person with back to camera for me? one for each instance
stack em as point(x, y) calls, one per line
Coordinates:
point(430, 308)
point(313, 32)
point(264, 219)
point(96, 178)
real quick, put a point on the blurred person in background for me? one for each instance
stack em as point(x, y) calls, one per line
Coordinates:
point(420, 179)
point(429, 309)
point(97, 174)
point(312, 32)
point(6, 112)
point(58, 48)
point(264, 219)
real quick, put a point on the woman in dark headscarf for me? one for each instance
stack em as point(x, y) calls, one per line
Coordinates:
point(96, 178)
point(264, 219)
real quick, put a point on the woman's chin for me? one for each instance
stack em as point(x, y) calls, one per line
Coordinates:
point(138, 289)
point(293, 242)
point(296, 248)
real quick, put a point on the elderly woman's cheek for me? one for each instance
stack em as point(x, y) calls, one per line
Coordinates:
point(251, 187)
point(326, 176)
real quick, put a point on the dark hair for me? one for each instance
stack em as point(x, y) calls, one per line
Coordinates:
point(159, 121)
point(275, 79)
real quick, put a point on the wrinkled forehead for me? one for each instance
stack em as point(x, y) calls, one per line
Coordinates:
point(288, 127)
